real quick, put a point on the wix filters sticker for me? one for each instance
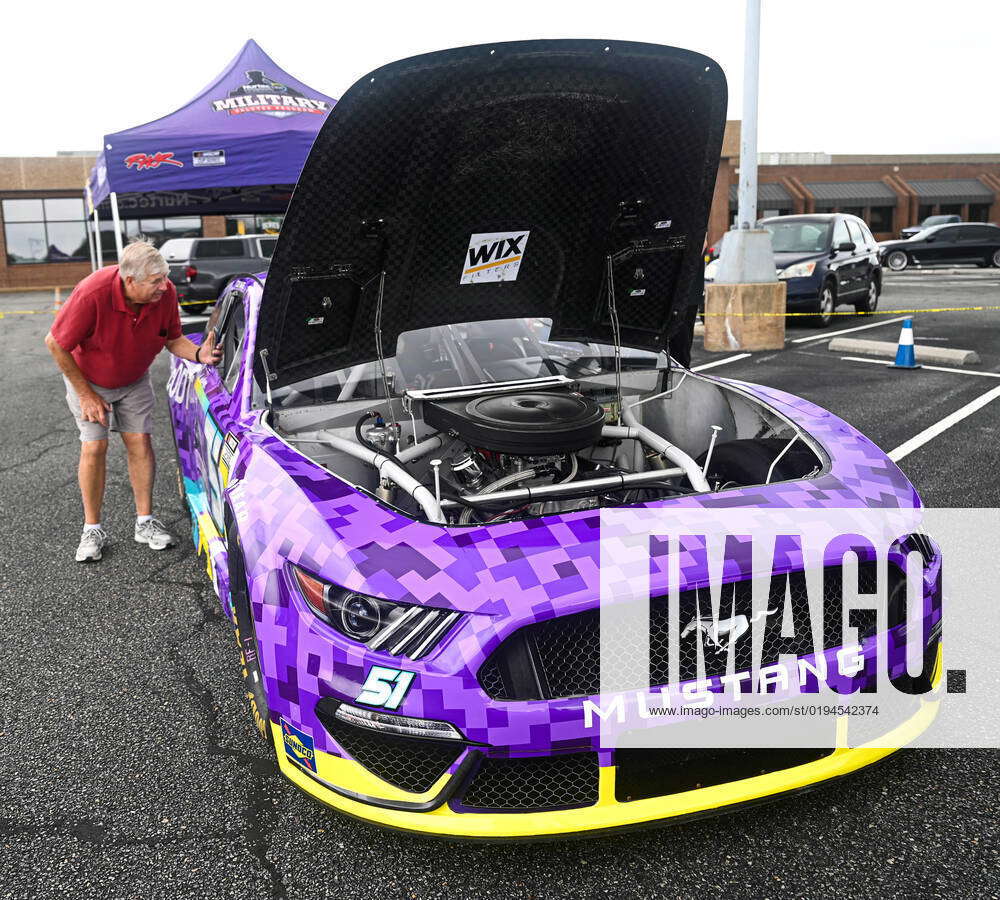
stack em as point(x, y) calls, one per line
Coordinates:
point(494, 257)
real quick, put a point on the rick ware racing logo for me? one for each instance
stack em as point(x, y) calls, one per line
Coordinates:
point(151, 160)
point(262, 94)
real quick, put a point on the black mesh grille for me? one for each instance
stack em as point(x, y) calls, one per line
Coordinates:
point(641, 774)
point(411, 764)
point(561, 657)
point(530, 783)
point(491, 679)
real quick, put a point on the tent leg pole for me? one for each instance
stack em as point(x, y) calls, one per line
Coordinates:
point(90, 247)
point(90, 233)
point(118, 224)
point(97, 240)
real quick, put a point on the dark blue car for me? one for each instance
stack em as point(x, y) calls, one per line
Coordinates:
point(826, 260)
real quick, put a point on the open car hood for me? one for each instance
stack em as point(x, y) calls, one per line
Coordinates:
point(494, 182)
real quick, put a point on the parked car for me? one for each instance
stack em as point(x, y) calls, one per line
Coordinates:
point(911, 230)
point(201, 267)
point(397, 475)
point(944, 245)
point(825, 260)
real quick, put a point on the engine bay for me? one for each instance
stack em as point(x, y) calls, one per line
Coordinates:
point(486, 453)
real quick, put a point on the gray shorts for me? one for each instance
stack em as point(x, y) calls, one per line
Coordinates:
point(131, 409)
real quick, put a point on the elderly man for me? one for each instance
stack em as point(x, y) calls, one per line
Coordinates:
point(104, 340)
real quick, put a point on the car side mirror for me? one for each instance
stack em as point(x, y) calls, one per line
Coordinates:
point(846, 247)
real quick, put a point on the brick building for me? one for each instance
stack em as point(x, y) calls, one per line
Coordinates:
point(43, 226)
point(888, 192)
point(43, 222)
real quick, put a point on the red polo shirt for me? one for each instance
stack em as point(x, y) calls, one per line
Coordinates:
point(112, 345)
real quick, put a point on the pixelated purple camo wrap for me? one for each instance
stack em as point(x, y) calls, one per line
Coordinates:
point(503, 576)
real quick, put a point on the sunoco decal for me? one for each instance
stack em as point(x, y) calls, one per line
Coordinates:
point(299, 746)
point(262, 94)
point(494, 257)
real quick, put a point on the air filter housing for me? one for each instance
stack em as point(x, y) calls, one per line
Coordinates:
point(538, 423)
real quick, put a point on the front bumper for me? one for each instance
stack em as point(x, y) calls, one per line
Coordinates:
point(348, 787)
point(802, 291)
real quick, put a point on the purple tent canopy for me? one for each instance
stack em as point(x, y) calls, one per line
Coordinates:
point(253, 125)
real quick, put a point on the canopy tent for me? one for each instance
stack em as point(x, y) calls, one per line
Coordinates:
point(252, 127)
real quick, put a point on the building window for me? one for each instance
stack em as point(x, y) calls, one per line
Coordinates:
point(950, 209)
point(880, 218)
point(924, 210)
point(858, 211)
point(266, 223)
point(48, 230)
point(159, 231)
point(979, 212)
point(156, 230)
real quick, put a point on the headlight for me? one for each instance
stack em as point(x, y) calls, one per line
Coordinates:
point(394, 628)
point(799, 270)
point(393, 724)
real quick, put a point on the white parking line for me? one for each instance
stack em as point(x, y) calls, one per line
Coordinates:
point(979, 281)
point(830, 334)
point(882, 362)
point(928, 434)
point(719, 362)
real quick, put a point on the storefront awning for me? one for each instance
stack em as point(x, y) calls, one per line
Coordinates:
point(852, 193)
point(961, 190)
point(770, 195)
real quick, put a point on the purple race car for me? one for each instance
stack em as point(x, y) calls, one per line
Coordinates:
point(456, 362)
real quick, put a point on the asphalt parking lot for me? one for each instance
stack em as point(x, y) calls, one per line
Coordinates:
point(129, 766)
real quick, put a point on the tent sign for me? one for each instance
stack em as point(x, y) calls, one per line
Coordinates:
point(208, 158)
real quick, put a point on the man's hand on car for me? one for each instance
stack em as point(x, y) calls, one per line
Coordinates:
point(208, 353)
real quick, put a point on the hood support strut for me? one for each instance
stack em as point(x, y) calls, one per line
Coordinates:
point(375, 230)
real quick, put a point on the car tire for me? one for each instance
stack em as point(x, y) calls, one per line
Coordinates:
point(194, 309)
point(867, 306)
point(996, 259)
point(897, 260)
point(826, 305)
point(246, 633)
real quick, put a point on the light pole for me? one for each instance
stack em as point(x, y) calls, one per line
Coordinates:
point(747, 211)
point(745, 306)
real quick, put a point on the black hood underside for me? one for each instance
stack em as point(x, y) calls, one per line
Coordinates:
point(495, 182)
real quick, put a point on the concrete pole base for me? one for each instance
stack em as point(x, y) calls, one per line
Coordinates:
point(745, 316)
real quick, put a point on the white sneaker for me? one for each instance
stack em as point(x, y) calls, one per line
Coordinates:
point(153, 533)
point(92, 543)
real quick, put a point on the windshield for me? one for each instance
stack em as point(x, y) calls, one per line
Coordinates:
point(464, 354)
point(924, 232)
point(798, 237)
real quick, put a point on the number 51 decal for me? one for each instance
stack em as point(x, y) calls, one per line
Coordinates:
point(385, 687)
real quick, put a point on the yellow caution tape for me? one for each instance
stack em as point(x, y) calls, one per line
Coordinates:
point(878, 312)
point(735, 315)
point(49, 312)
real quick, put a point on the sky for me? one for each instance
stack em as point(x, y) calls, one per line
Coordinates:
point(882, 76)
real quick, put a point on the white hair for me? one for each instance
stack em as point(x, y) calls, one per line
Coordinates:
point(140, 259)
